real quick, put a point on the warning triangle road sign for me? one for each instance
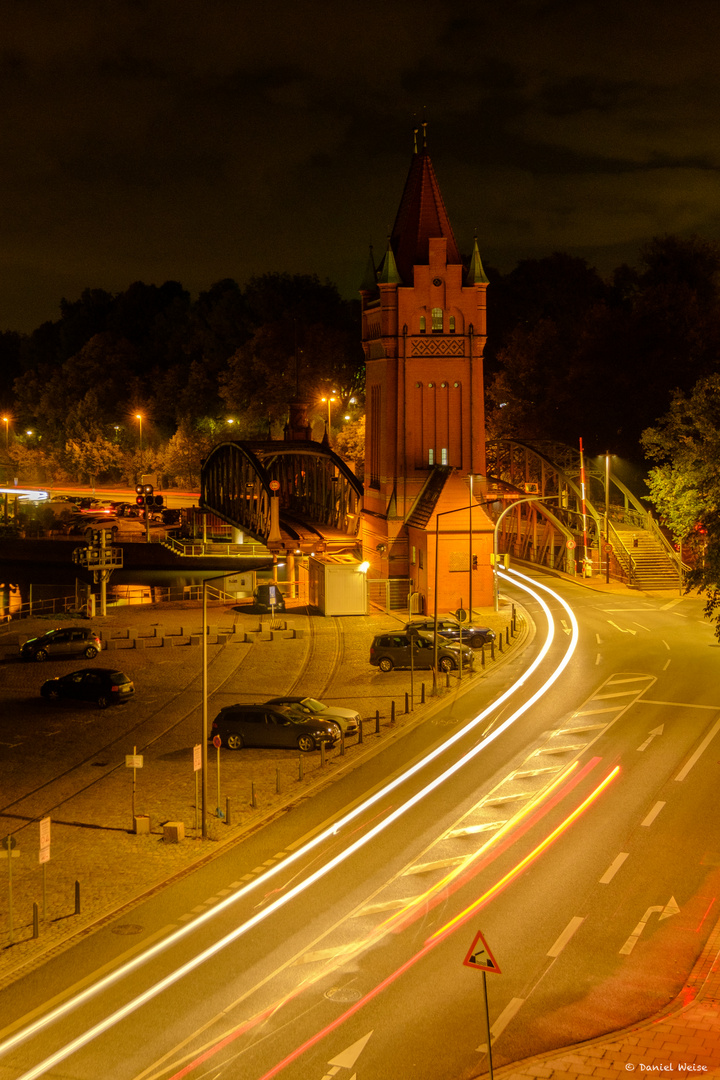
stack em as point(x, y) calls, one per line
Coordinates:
point(480, 957)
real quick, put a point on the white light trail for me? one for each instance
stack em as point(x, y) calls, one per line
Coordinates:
point(135, 1003)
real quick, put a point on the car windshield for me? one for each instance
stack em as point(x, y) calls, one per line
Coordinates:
point(313, 704)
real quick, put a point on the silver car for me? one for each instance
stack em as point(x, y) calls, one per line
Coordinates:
point(348, 720)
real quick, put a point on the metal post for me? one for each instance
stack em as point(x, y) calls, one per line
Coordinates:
point(204, 734)
point(377, 721)
point(217, 804)
point(360, 731)
point(322, 755)
point(253, 801)
point(300, 767)
point(607, 519)
point(407, 703)
point(277, 781)
point(197, 816)
point(227, 810)
point(487, 1026)
point(77, 897)
point(392, 711)
point(36, 921)
point(342, 743)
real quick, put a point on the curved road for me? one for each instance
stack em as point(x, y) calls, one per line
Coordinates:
point(578, 836)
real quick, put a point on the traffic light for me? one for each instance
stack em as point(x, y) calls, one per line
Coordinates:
point(140, 489)
point(140, 501)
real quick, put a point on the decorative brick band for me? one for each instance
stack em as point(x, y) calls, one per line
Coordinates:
point(438, 347)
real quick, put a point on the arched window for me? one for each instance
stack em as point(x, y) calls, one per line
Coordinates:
point(422, 324)
point(437, 320)
point(451, 322)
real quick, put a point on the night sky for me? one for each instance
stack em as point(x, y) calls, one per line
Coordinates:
point(168, 139)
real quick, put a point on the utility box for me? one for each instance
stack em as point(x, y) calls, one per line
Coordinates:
point(338, 585)
point(240, 585)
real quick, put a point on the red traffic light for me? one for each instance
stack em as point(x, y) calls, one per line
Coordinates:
point(140, 500)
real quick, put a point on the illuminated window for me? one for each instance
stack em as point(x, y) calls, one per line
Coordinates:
point(431, 457)
point(437, 320)
point(413, 555)
point(420, 559)
point(443, 457)
point(422, 324)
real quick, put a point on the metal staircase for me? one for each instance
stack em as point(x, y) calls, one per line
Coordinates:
point(651, 566)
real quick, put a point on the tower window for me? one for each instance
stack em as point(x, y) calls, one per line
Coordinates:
point(451, 324)
point(422, 324)
point(431, 457)
point(437, 320)
point(444, 456)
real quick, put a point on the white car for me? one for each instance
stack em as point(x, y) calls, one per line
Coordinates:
point(346, 719)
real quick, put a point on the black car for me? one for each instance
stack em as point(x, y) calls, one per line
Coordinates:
point(271, 725)
point(64, 641)
point(474, 636)
point(104, 686)
point(268, 597)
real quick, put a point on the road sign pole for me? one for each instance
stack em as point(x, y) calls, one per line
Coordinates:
point(217, 747)
point(10, 898)
point(487, 1025)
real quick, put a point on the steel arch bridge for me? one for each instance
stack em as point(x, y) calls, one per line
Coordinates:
point(292, 496)
point(552, 532)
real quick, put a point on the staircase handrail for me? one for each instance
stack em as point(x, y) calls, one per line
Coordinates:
point(670, 551)
point(623, 554)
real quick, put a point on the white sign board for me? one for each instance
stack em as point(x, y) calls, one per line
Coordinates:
point(197, 757)
point(134, 761)
point(45, 832)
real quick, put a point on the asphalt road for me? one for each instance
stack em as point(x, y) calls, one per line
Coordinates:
point(581, 841)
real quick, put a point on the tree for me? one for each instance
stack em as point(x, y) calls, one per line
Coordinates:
point(685, 484)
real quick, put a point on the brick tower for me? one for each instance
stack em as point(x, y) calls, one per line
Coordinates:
point(424, 331)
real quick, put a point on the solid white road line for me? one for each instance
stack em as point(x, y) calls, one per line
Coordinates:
point(700, 750)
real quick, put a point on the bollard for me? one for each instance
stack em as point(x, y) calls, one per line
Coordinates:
point(507, 635)
point(253, 801)
point(492, 650)
point(36, 921)
point(342, 743)
point(77, 897)
point(422, 693)
point(227, 810)
point(500, 642)
point(360, 731)
point(377, 721)
point(277, 781)
point(407, 703)
point(447, 680)
point(322, 755)
point(392, 711)
point(482, 655)
point(300, 767)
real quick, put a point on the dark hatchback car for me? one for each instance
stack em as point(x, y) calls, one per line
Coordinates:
point(62, 642)
point(104, 686)
point(268, 725)
point(268, 597)
point(472, 635)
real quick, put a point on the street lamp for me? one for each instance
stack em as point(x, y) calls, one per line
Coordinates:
point(329, 400)
point(6, 422)
point(138, 417)
point(607, 519)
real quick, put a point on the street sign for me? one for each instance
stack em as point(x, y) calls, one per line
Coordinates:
point(45, 832)
point(9, 842)
point(197, 757)
point(134, 761)
point(461, 614)
point(274, 485)
point(480, 956)
point(570, 545)
point(217, 742)
point(44, 855)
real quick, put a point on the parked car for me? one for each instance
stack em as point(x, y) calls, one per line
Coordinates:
point(472, 635)
point(271, 725)
point(267, 595)
point(347, 720)
point(61, 642)
point(393, 650)
point(104, 686)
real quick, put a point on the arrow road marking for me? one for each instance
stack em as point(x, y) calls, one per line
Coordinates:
point(347, 1058)
point(651, 736)
point(633, 632)
point(670, 908)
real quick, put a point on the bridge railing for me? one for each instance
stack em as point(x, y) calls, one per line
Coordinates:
point(197, 548)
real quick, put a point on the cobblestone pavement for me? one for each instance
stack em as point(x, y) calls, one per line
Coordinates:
point(93, 841)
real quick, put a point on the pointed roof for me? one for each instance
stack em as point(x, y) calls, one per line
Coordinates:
point(421, 215)
point(476, 274)
point(387, 273)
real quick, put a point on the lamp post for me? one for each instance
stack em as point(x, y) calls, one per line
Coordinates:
point(6, 422)
point(513, 504)
point(457, 510)
point(138, 417)
point(607, 519)
point(329, 400)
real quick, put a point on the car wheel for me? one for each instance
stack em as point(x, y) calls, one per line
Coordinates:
point(41, 655)
point(91, 652)
point(235, 742)
point(477, 642)
point(306, 743)
point(385, 664)
point(446, 664)
point(103, 701)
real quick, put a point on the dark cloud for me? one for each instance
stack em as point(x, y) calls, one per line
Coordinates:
point(194, 141)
